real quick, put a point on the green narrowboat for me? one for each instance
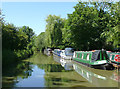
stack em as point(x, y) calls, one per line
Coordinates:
point(96, 59)
point(114, 58)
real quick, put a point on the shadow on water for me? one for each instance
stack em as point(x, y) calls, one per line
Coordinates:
point(12, 71)
point(52, 81)
point(52, 68)
point(65, 80)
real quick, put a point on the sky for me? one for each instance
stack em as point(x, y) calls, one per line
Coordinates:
point(34, 14)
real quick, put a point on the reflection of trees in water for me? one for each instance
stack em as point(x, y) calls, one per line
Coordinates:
point(52, 67)
point(13, 71)
point(51, 81)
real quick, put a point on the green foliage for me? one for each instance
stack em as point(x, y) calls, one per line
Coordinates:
point(53, 33)
point(93, 25)
point(112, 32)
point(22, 54)
point(9, 37)
point(86, 24)
point(8, 57)
point(17, 43)
point(113, 36)
point(85, 27)
point(40, 41)
point(28, 31)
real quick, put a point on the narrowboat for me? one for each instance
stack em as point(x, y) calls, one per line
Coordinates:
point(48, 52)
point(67, 53)
point(57, 52)
point(95, 59)
point(114, 58)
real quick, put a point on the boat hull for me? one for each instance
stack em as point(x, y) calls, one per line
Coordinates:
point(105, 66)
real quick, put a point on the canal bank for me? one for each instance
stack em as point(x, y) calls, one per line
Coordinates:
point(47, 71)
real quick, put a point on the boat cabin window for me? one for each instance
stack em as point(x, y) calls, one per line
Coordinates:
point(82, 55)
point(69, 51)
point(111, 57)
point(87, 56)
point(75, 54)
point(79, 55)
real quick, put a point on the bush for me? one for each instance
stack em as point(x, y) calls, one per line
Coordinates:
point(8, 57)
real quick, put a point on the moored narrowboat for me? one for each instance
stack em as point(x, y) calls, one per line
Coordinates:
point(96, 59)
point(57, 52)
point(48, 52)
point(67, 53)
point(114, 58)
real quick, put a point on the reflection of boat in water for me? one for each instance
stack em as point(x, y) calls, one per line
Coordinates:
point(67, 64)
point(56, 58)
point(99, 78)
point(116, 76)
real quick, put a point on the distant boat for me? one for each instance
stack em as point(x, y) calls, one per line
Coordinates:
point(96, 59)
point(67, 53)
point(114, 58)
point(57, 52)
point(48, 51)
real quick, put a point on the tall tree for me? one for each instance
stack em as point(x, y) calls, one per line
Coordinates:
point(112, 33)
point(40, 41)
point(86, 24)
point(53, 30)
point(28, 31)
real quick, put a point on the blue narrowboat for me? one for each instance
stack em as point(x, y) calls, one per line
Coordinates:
point(57, 52)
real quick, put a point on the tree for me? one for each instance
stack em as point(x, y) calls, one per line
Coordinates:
point(86, 24)
point(40, 41)
point(28, 31)
point(112, 33)
point(53, 31)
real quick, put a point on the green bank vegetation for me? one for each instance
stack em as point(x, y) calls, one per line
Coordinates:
point(17, 42)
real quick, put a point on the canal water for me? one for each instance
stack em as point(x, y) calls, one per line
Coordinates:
point(51, 71)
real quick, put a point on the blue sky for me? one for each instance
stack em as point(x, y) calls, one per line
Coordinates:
point(33, 14)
